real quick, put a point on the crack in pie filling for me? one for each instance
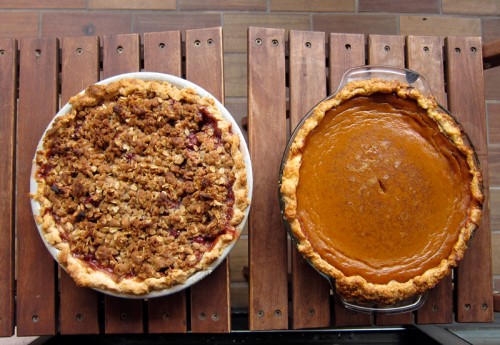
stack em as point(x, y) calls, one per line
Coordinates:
point(382, 191)
point(140, 186)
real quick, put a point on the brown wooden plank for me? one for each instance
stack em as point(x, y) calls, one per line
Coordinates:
point(268, 305)
point(8, 69)
point(310, 290)
point(386, 50)
point(204, 66)
point(162, 53)
point(80, 68)
point(123, 316)
point(466, 102)
point(38, 91)
point(121, 54)
point(346, 51)
point(389, 51)
point(425, 56)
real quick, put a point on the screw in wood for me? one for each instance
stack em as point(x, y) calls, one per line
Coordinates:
point(210, 41)
point(275, 42)
point(123, 316)
point(161, 45)
point(457, 50)
point(387, 49)
point(215, 317)
point(35, 318)
point(79, 51)
point(426, 49)
point(277, 313)
point(484, 306)
point(260, 313)
point(202, 316)
point(347, 46)
point(38, 52)
point(311, 312)
point(165, 316)
point(308, 45)
point(2, 52)
point(79, 317)
point(258, 41)
point(435, 308)
point(473, 49)
point(119, 49)
point(467, 306)
point(197, 43)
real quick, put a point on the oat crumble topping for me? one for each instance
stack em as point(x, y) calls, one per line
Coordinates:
point(139, 179)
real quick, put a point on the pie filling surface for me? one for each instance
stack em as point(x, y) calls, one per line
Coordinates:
point(140, 185)
point(381, 192)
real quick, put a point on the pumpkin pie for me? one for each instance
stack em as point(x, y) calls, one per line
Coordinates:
point(381, 190)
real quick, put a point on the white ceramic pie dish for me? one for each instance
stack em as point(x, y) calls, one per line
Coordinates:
point(179, 83)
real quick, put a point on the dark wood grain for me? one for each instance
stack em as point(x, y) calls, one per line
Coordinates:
point(346, 51)
point(466, 101)
point(204, 66)
point(268, 305)
point(38, 92)
point(8, 69)
point(310, 290)
point(162, 53)
point(80, 68)
point(121, 54)
point(386, 50)
point(425, 56)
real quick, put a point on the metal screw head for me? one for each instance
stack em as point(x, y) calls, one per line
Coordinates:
point(2, 52)
point(277, 313)
point(308, 45)
point(119, 49)
point(161, 45)
point(79, 317)
point(348, 46)
point(79, 51)
point(38, 52)
point(35, 318)
point(258, 41)
point(457, 50)
point(197, 43)
point(260, 313)
point(210, 41)
point(473, 49)
point(215, 317)
point(426, 49)
point(123, 316)
point(387, 49)
point(275, 42)
point(202, 316)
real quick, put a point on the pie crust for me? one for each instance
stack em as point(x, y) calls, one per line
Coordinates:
point(140, 185)
point(360, 277)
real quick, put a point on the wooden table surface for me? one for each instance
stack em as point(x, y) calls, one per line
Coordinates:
point(287, 75)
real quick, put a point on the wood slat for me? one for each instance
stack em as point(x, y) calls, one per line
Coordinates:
point(80, 68)
point(310, 290)
point(8, 69)
point(204, 66)
point(162, 53)
point(121, 54)
point(425, 55)
point(386, 50)
point(466, 102)
point(268, 305)
point(38, 92)
point(346, 51)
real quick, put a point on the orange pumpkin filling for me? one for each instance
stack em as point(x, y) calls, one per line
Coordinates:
point(382, 191)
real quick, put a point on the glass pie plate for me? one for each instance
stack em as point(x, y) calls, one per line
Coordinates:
point(415, 80)
point(179, 83)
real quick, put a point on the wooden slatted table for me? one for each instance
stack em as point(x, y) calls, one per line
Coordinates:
point(286, 76)
point(315, 64)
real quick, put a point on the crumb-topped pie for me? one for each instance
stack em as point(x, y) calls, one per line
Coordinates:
point(140, 185)
point(381, 191)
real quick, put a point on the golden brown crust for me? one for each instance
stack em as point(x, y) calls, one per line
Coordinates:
point(357, 288)
point(140, 186)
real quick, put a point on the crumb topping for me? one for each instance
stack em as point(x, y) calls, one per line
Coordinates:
point(139, 178)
